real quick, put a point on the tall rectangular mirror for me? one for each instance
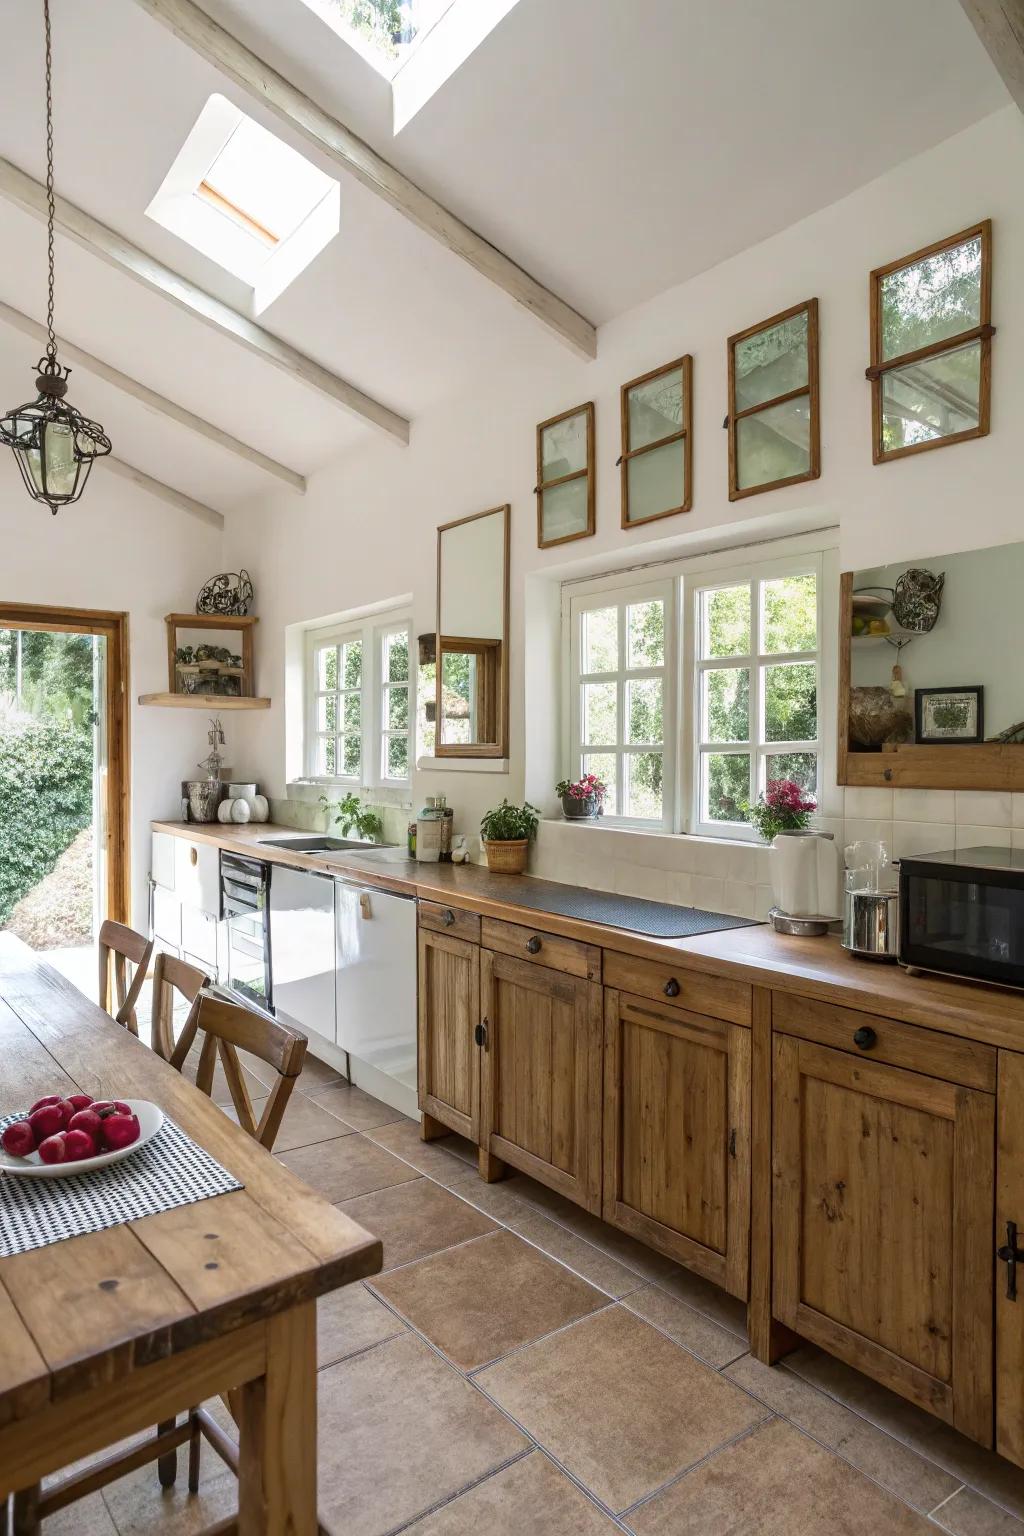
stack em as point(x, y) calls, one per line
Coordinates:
point(472, 636)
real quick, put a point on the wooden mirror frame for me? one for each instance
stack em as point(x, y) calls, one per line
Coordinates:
point(810, 389)
point(586, 410)
point(493, 653)
point(982, 333)
point(988, 765)
point(684, 433)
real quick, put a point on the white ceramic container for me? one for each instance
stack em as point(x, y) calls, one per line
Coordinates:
point(807, 875)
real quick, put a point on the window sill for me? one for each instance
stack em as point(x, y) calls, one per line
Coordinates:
point(603, 824)
point(462, 764)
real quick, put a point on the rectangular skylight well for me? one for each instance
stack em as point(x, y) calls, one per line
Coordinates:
point(385, 32)
point(247, 200)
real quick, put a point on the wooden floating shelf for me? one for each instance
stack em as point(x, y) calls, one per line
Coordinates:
point(211, 702)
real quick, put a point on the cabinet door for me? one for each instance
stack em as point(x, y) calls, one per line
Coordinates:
point(541, 1074)
point(882, 1225)
point(677, 1135)
point(449, 1012)
point(1010, 1283)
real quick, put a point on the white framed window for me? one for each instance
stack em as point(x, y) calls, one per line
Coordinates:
point(689, 693)
point(358, 724)
point(622, 707)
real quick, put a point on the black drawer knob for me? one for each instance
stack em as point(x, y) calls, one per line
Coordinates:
point(671, 987)
point(448, 917)
point(533, 945)
point(864, 1038)
point(480, 1033)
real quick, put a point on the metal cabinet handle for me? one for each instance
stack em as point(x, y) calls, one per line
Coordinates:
point(480, 1033)
point(1010, 1255)
point(533, 945)
point(864, 1038)
point(193, 856)
point(671, 988)
point(448, 917)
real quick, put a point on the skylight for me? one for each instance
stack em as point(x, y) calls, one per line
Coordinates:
point(385, 32)
point(248, 201)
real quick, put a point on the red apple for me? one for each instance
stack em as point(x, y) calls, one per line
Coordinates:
point(89, 1121)
point(79, 1100)
point(120, 1131)
point(111, 1107)
point(47, 1121)
point(19, 1139)
point(54, 1148)
point(51, 1098)
point(78, 1144)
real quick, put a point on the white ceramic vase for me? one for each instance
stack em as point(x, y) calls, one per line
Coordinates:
point(806, 874)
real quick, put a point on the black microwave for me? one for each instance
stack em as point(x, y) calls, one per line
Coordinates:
point(962, 913)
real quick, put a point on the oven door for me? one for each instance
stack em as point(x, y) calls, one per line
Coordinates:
point(952, 921)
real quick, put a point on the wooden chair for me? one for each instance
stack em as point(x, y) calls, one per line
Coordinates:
point(124, 947)
point(172, 978)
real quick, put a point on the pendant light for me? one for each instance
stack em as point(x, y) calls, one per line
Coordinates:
point(53, 443)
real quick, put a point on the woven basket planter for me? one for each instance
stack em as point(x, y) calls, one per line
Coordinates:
point(507, 858)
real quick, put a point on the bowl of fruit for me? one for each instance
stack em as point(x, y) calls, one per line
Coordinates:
point(60, 1136)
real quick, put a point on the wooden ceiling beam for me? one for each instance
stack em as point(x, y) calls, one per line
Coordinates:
point(152, 400)
point(99, 240)
point(1000, 25)
point(349, 153)
point(161, 490)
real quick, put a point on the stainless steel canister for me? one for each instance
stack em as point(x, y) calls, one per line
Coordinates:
point(871, 923)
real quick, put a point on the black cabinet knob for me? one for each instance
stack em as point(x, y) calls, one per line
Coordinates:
point(533, 945)
point(448, 917)
point(864, 1038)
point(480, 1033)
point(671, 987)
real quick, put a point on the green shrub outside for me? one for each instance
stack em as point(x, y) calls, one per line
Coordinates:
point(45, 800)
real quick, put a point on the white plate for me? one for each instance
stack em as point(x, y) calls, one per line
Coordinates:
point(151, 1118)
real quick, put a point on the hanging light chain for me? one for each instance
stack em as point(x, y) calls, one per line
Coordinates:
point(51, 211)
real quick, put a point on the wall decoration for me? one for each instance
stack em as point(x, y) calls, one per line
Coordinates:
point(229, 593)
point(774, 431)
point(949, 714)
point(931, 346)
point(656, 463)
point(565, 477)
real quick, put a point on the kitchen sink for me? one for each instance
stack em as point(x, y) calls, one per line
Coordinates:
point(321, 844)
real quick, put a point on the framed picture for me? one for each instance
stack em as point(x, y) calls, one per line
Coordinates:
point(656, 463)
point(565, 477)
point(948, 715)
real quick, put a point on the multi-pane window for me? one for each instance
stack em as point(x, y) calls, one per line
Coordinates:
point(619, 651)
point(755, 692)
point(358, 720)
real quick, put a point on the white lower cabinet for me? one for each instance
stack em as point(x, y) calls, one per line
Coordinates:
point(302, 950)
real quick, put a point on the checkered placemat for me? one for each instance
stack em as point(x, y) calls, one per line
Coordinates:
point(169, 1171)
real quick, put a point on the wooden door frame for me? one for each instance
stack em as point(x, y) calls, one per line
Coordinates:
point(114, 629)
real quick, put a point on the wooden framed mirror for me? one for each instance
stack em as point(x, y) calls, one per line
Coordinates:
point(951, 715)
point(471, 708)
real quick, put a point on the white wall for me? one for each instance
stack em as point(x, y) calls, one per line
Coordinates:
point(366, 530)
point(120, 548)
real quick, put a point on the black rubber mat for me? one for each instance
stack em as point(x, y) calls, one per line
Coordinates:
point(656, 918)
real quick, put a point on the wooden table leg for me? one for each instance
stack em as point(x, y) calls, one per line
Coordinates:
point(277, 1432)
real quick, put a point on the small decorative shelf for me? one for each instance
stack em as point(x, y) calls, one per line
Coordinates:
point(211, 702)
point(195, 670)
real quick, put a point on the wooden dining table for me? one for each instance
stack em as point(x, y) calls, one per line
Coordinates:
point(113, 1332)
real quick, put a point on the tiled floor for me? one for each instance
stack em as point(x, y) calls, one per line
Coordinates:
point(521, 1369)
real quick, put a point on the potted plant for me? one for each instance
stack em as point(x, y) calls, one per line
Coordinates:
point(784, 807)
point(583, 799)
point(507, 832)
point(351, 817)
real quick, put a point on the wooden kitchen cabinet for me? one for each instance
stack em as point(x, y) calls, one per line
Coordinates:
point(1010, 1272)
point(541, 1074)
point(883, 1188)
point(677, 1135)
point(449, 1015)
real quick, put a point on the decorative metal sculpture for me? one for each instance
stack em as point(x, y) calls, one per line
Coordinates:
point(917, 598)
point(230, 593)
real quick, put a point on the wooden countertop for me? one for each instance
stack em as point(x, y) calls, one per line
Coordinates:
point(818, 968)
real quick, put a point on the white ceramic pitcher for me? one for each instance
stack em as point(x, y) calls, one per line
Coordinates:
point(807, 874)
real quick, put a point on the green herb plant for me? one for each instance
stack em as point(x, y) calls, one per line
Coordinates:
point(510, 823)
point(351, 816)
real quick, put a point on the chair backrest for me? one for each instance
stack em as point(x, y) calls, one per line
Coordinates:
point(172, 977)
point(124, 947)
point(228, 1028)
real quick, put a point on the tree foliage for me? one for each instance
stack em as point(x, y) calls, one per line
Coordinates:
point(45, 800)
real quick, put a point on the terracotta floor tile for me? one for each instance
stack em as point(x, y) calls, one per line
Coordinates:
point(304, 1123)
point(346, 1167)
point(221, 1093)
point(696, 1292)
point(499, 1200)
point(775, 1482)
point(399, 1432)
point(358, 1109)
point(350, 1320)
point(592, 1263)
point(89, 1517)
point(968, 1514)
point(416, 1219)
point(636, 1256)
point(529, 1498)
point(890, 1463)
point(695, 1332)
point(140, 1507)
point(402, 1137)
point(479, 1301)
point(621, 1407)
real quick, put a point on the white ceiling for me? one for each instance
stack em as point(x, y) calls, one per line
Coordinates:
point(611, 149)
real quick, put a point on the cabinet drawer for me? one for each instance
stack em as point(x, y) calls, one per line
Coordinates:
point(714, 995)
point(566, 955)
point(441, 919)
point(899, 1045)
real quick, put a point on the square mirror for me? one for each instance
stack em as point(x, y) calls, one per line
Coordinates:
point(565, 477)
point(774, 437)
point(656, 461)
point(471, 673)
